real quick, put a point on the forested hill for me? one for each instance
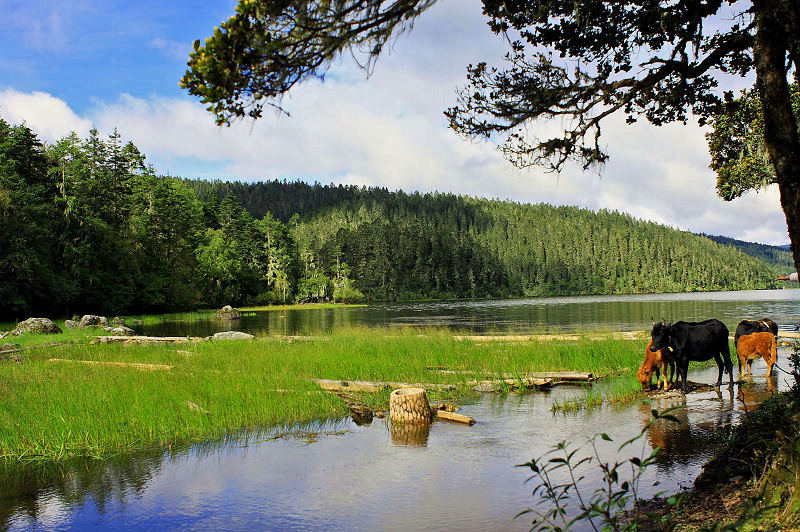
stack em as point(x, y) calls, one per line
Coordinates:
point(280, 198)
point(780, 257)
point(400, 245)
point(87, 227)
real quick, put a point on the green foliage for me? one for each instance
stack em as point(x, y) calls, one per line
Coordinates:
point(267, 47)
point(778, 257)
point(736, 144)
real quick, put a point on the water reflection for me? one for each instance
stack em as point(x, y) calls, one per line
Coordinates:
point(557, 314)
point(754, 390)
point(413, 434)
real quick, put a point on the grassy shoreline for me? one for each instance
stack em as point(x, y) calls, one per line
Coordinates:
point(53, 410)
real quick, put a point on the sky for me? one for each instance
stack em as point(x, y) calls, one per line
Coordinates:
point(65, 66)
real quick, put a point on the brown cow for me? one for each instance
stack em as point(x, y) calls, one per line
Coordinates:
point(752, 346)
point(655, 361)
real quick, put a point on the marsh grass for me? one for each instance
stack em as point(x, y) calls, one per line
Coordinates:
point(54, 410)
point(155, 319)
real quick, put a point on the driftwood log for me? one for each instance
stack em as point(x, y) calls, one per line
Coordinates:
point(452, 416)
point(409, 405)
point(564, 376)
point(144, 339)
point(135, 365)
point(481, 386)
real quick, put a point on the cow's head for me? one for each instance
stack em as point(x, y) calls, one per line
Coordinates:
point(644, 376)
point(661, 335)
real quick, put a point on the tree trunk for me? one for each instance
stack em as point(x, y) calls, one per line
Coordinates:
point(780, 128)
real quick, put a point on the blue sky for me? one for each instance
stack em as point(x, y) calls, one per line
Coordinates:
point(73, 64)
point(84, 52)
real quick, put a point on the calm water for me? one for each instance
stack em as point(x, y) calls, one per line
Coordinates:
point(346, 477)
point(620, 313)
point(339, 476)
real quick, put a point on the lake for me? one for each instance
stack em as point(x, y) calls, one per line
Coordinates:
point(336, 475)
point(543, 315)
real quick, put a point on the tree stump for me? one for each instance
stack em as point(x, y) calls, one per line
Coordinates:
point(409, 405)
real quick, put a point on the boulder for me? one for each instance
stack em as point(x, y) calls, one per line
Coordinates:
point(228, 313)
point(116, 320)
point(36, 325)
point(121, 331)
point(90, 320)
point(232, 335)
point(71, 324)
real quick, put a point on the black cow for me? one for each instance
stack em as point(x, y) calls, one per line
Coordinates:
point(692, 341)
point(751, 326)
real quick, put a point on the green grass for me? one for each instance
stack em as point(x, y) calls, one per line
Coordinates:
point(54, 410)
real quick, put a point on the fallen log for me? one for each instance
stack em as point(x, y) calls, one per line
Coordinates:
point(567, 376)
point(452, 416)
point(144, 339)
point(366, 386)
point(136, 365)
point(481, 386)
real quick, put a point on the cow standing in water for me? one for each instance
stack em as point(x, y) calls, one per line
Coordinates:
point(691, 341)
point(746, 327)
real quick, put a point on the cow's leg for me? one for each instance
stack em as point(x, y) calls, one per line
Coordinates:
point(726, 356)
point(769, 365)
point(720, 367)
point(671, 366)
point(683, 371)
point(657, 371)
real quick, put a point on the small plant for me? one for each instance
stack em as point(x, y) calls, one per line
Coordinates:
point(562, 505)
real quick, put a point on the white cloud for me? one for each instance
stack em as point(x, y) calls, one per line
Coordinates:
point(49, 116)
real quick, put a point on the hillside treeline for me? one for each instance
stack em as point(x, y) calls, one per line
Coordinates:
point(86, 225)
point(778, 257)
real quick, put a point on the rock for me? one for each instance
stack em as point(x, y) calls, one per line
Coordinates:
point(71, 324)
point(121, 331)
point(76, 318)
point(90, 320)
point(232, 335)
point(228, 313)
point(116, 320)
point(36, 325)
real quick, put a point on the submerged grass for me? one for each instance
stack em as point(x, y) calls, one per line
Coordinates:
point(54, 410)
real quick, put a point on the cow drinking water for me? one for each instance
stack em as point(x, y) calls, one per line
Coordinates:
point(656, 362)
point(692, 341)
